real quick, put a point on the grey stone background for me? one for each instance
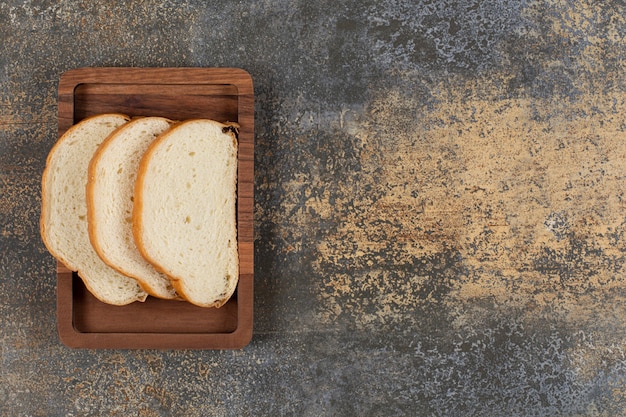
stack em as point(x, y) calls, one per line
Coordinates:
point(439, 216)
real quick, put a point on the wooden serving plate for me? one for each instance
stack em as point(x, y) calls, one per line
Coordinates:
point(222, 94)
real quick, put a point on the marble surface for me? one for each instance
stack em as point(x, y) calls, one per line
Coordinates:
point(439, 208)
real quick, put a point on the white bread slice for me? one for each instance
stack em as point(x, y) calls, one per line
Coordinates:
point(64, 210)
point(184, 219)
point(110, 188)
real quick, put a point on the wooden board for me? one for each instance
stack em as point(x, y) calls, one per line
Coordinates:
point(223, 94)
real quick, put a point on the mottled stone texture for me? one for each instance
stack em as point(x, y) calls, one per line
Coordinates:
point(440, 210)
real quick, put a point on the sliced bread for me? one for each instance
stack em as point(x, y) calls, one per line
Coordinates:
point(184, 215)
point(110, 188)
point(63, 224)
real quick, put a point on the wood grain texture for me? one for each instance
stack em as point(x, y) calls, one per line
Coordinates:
point(222, 94)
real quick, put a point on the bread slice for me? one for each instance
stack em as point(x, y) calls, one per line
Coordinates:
point(64, 210)
point(110, 188)
point(184, 219)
